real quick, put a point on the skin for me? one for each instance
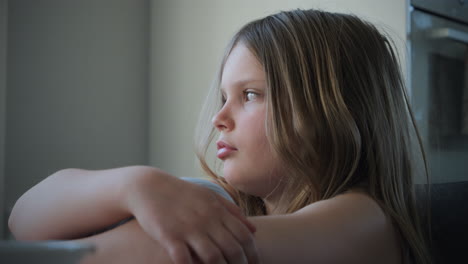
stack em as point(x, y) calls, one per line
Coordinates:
point(348, 228)
point(185, 219)
point(251, 168)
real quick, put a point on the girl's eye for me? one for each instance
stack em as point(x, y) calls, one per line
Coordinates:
point(250, 96)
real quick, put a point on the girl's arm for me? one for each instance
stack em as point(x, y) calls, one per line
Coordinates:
point(349, 228)
point(73, 202)
point(127, 243)
point(182, 217)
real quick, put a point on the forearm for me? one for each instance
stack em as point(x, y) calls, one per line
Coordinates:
point(73, 202)
point(127, 243)
point(349, 228)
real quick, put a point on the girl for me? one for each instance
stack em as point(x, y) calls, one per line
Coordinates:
point(314, 131)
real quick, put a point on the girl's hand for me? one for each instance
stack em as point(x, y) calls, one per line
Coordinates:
point(190, 220)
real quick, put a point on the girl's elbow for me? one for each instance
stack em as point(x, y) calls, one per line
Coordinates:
point(26, 235)
point(21, 230)
point(17, 232)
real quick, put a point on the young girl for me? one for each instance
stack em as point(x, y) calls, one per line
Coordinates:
point(314, 130)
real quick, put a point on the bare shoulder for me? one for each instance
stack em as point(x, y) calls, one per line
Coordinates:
point(356, 206)
point(357, 226)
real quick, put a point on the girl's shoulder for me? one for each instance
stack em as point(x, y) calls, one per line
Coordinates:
point(356, 221)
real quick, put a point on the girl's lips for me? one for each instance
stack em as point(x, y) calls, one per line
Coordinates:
point(224, 149)
point(224, 152)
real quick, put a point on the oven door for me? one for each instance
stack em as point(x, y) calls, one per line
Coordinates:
point(439, 93)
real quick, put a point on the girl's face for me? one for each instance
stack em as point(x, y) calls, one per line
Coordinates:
point(249, 164)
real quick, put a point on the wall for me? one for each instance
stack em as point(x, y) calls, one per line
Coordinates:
point(187, 41)
point(77, 87)
point(3, 59)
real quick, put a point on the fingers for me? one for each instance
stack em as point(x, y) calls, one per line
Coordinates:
point(244, 239)
point(228, 244)
point(205, 227)
point(178, 252)
point(233, 209)
point(206, 250)
point(228, 239)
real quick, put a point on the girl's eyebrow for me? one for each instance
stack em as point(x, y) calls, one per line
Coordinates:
point(243, 83)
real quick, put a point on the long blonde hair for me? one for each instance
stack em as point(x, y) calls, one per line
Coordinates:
point(338, 115)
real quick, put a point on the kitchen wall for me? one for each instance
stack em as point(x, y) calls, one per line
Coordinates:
point(187, 41)
point(77, 87)
point(3, 48)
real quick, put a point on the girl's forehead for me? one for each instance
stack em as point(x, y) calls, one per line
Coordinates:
point(242, 68)
point(253, 83)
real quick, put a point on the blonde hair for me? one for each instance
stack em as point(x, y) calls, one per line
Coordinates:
point(338, 116)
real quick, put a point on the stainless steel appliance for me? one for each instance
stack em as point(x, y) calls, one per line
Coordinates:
point(439, 84)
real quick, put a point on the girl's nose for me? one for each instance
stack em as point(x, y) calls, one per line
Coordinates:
point(223, 120)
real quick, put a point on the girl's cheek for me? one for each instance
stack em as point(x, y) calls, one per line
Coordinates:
point(249, 108)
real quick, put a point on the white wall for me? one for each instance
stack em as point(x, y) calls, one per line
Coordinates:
point(77, 87)
point(3, 48)
point(188, 39)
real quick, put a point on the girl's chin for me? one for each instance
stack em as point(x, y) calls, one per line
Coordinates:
point(233, 180)
point(243, 183)
point(256, 185)
point(238, 181)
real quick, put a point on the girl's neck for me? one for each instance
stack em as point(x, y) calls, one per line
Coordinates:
point(274, 199)
point(271, 203)
point(269, 208)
